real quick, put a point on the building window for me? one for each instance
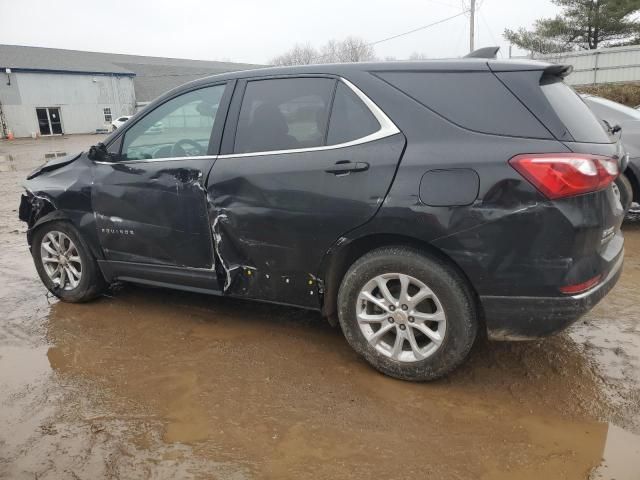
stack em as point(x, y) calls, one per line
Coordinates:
point(107, 115)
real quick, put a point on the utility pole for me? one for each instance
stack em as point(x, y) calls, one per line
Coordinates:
point(472, 21)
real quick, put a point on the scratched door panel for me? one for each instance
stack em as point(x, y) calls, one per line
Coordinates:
point(154, 212)
point(150, 200)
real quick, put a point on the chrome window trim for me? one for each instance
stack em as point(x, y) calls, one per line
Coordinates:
point(167, 159)
point(387, 128)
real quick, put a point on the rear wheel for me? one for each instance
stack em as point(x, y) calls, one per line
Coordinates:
point(65, 263)
point(409, 315)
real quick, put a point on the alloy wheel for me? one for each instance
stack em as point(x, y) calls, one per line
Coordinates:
point(401, 317)
point(61, 260)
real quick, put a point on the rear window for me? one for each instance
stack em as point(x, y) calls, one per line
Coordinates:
point(574, 113)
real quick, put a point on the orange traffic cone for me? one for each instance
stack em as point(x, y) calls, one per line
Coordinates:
point(10, 135)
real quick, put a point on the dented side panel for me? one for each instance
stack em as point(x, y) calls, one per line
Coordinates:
point(62, 191)
point(273, 217)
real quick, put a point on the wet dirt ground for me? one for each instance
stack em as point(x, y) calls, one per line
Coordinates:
point(149, 383)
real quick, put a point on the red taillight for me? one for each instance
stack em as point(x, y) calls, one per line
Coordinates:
point(559, 175)
point(580, 287)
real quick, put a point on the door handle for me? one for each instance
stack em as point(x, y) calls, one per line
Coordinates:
point(345, 166)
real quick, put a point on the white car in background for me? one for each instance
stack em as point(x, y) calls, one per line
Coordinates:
point(117, 123)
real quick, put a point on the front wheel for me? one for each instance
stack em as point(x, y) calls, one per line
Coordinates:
point(411, 316)
point(65, 263)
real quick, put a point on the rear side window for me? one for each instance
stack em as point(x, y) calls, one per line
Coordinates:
point(283, 114)
point(574, 113)
point(350, 118)
point(476, 101)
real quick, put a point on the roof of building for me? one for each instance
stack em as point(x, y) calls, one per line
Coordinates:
point(152, 75)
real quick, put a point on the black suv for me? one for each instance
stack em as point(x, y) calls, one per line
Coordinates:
point(415, 203)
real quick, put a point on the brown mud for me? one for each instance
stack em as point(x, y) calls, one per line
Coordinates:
point(149, 383)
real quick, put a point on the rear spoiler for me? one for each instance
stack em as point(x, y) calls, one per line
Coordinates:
point(558, 70)
point(547, 69)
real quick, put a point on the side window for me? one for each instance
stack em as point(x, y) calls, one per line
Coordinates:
point(350, 118)
point(476, 101)
point(180, 127)
point(283, 114)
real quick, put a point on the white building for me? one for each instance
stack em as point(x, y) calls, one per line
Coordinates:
point(46, 91)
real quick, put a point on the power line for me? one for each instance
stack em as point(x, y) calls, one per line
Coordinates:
point(393, 37)
point(417, 29)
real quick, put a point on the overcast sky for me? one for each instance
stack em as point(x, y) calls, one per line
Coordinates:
point(253, 30)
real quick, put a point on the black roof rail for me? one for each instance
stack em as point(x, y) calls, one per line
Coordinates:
point(485, 52)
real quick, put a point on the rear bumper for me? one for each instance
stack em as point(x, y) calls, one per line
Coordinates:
point(524, 318)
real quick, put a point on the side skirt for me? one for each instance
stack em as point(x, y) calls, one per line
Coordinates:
point(178, 278)
point(181, 278)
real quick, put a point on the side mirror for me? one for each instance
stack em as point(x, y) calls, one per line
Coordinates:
point(99, 153)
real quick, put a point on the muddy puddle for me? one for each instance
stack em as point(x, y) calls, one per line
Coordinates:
point(148, 383)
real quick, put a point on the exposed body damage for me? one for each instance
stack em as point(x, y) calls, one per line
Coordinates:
point(241, 277)
point(217, 239)
point(61, 190)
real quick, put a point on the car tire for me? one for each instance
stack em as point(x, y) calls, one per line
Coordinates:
point(83, 280)
point(626, 191)
point(424, 357)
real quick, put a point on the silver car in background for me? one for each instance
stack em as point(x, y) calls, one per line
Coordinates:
point(625, 121)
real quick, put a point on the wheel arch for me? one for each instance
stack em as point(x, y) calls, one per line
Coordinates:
point(48, 214)
point(51, 215)
point(345, 252)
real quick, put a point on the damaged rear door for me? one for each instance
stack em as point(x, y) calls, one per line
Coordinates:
point(150, 201)
point(309, 159)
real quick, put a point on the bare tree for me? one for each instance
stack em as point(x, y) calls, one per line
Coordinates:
point(418, 56)
point(354, 49)
point(330, 52)
point(299, 55)
point(351, 49)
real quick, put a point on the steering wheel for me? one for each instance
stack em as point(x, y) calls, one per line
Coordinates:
point(195, 149)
